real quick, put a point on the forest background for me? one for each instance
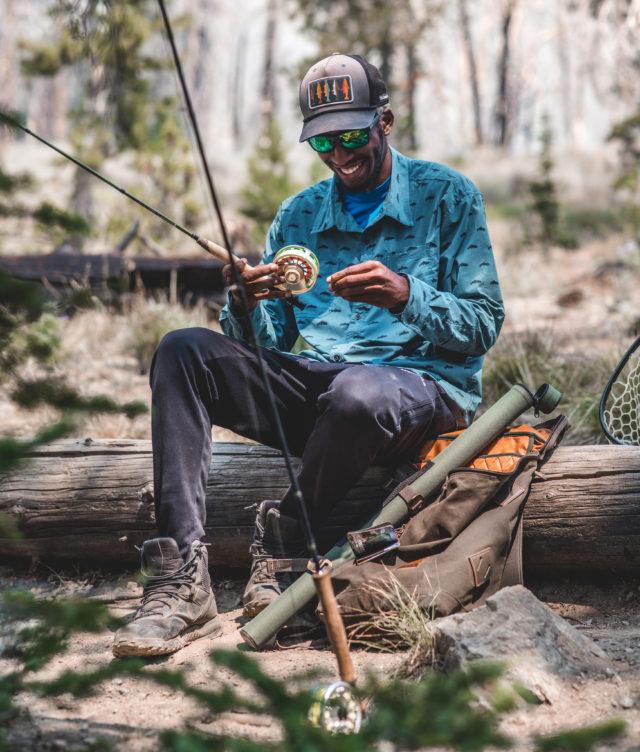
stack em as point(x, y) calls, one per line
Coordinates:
point(537, 101)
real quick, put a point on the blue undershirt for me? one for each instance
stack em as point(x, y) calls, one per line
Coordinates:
point(364, 206)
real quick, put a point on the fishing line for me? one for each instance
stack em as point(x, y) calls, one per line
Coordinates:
point(297, 491)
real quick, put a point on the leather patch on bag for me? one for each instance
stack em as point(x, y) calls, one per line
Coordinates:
point(481, 566)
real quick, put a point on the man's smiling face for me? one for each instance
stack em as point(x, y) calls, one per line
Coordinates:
point(364, 168)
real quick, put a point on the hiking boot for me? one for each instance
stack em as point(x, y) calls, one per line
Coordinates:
point(178, 604)
point(277, 552)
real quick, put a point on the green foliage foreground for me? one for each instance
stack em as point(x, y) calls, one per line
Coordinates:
point(459, 711)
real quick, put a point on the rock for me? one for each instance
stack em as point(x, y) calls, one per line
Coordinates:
point(626, 702)
point(537, 645)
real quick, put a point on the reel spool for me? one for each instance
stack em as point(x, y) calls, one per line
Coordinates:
point(299, 266)
point(336, 709)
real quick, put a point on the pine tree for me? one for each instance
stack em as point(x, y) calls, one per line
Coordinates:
point(13, 190)
point(109, 46)
point(269, 181)
point(545, 203)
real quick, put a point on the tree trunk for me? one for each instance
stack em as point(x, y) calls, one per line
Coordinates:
point(503, 112)
point(467, 41)
point(89, 502)
point(8, 62)
point(237, 86)
point(268, 74)
point(412, 81)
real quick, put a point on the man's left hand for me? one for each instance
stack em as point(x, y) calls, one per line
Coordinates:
point(371, 282)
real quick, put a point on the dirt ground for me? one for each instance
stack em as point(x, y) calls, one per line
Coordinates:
point(586, 299)
point(129, 713)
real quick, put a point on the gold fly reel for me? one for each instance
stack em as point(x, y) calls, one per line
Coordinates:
point(299, 266)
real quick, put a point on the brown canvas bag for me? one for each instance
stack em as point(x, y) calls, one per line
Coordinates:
point(464, 545)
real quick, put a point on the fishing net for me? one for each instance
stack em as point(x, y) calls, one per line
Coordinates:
point(620, 404)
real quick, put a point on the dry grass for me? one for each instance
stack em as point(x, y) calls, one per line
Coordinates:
point(535, 357)
point(150, 320)
point(399, 623)
point(108, 353)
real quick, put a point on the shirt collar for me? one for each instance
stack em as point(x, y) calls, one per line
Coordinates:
point(396, 205)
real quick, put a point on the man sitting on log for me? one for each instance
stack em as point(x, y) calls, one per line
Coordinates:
point(388, 350)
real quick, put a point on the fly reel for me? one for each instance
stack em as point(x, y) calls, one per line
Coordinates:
point(336, 709)
point(299, 266)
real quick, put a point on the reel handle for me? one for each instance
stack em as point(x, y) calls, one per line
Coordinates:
point(335, 625)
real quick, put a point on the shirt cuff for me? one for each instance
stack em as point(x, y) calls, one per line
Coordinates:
point(239, 320)
point(420, 294)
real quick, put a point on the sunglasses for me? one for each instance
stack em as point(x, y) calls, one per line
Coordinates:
point(348, 139)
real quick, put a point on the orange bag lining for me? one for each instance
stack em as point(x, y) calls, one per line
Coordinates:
point(499, 456)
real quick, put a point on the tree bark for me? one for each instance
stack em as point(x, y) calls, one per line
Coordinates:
point(8, 63)
point(89, 502)
point(502, 109)
point(467, 41)
point(268, 74)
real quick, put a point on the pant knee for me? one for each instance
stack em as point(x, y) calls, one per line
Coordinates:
point(357, 396)
point(180, 347)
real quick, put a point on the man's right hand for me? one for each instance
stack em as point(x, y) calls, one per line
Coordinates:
point(259, 282)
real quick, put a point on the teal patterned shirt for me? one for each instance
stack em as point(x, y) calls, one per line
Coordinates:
point(432, 229)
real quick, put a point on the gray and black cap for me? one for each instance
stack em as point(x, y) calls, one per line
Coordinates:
point(340, 93)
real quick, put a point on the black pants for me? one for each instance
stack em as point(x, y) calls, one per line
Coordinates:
point(338, 417)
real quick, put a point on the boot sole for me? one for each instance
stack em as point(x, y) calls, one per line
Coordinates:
point(127, 648)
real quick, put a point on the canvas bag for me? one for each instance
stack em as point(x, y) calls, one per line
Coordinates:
point(466, 544)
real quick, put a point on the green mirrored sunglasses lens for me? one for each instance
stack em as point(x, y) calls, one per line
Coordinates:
point(321, 143)
point(354, 139)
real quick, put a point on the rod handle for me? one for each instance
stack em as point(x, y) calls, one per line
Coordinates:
point(334, 624)
point(217, 251)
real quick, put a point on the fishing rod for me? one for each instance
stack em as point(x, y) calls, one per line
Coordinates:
point(298, 265)
point(335, 695)
point(217, 251)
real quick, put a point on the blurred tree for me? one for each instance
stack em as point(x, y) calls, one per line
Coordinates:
point(56, 221)
point(269, 181)
point(467, 41)
point(107, 44)
point(504, 110)
point(627, 136)
point(545, 203)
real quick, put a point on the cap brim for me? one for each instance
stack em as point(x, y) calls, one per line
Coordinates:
point(329, 122)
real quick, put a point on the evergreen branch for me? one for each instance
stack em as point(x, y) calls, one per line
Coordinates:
point(26, 298)
point(49, 215)
point(14, 451)
point(12, 120)
point(10, 183)
point(57, 393)
point(582, 740)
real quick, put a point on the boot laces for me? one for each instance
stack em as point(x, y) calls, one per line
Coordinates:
point(160, 590)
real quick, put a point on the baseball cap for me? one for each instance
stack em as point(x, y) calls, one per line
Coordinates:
point(340, 93)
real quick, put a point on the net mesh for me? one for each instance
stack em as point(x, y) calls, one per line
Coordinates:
point(622, 411)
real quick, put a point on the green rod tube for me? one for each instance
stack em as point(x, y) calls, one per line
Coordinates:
point(261, 629)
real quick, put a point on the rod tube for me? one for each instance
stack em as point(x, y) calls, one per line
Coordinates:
point(261, 629)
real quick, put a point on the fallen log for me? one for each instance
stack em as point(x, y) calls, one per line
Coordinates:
point(199, 275)
point(88, 502)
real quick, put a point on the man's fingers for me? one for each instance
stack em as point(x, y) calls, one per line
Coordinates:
point(251, 273)
point(362, 293)
point(357, 280)
point(353, 269)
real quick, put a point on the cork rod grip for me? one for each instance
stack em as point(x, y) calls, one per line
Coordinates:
point(335, 625)
point(217, 251)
